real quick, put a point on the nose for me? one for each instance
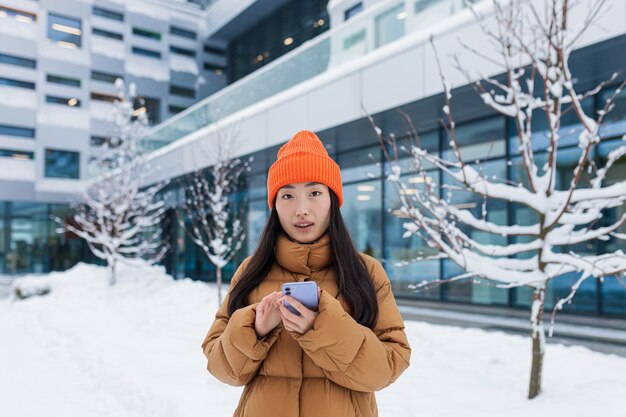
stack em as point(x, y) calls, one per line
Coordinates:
point(302, 209)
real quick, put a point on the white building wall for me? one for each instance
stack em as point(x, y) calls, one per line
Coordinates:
point(66, 128)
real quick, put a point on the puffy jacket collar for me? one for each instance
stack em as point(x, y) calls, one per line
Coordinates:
point(303, 258)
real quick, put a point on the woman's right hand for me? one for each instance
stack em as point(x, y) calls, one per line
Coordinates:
point(267, 314)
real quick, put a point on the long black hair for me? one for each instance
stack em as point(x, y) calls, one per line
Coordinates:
point(354, 282)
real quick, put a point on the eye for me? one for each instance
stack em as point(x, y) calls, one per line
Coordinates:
point(316, 193)
point(286, 196)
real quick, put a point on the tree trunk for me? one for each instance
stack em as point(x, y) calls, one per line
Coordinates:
point(113, 266)
point(218, 276)
point(539, 340)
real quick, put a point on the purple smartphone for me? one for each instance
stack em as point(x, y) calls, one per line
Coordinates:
point(306, 292)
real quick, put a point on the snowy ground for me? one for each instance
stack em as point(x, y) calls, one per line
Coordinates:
point(88, 349)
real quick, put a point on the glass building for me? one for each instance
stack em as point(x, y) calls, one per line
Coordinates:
point(370, 201)
point(293, 65)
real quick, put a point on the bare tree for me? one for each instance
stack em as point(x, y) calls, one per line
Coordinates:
point(118, 218)
point(212, 218)
point(567, 216)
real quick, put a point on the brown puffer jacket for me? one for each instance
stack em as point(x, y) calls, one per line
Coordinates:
point(330, 371)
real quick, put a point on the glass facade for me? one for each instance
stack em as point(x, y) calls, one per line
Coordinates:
point(62, 164)
point(107, 34)
point(19, 131)
point(371, 204)
point(109, 14)
point(17, 60)
point(17, 83)
point(146, 52)
point(29, 241)
point(284, 30)
point(65, 30)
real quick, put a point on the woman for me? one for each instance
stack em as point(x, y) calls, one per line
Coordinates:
point(323, 363)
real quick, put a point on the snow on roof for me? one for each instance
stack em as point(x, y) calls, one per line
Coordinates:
point(146, 67)
point(183, 64)
point(18, 97)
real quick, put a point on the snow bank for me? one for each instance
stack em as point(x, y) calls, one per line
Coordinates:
point(183, 64)
point(147, 67)
point(18, 97)
point(108, 47)
point(89, 349)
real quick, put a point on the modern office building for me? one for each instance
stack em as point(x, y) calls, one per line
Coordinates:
point(58, 64)
point(293, 65)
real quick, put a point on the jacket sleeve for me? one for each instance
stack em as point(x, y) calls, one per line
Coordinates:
point(355, 356)
point(231, 346)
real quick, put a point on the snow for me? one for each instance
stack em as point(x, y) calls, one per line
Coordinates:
point(108, 47)
point(183, 64)
point(60, 115)
point(147, 67)
point(18, 97)
point(150, 10)
point(16, 170)
point(51, 50)
point(102, 110)
point(133, 349)
point(12, 27)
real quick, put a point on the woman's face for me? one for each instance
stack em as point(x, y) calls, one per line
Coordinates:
point(304, 210)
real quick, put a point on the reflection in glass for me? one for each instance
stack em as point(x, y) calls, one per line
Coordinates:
point(257, 216)
point(399, 250)
point(464, 290)
point(540, 138)
point(390, 25)
point(360, 165)
point(361, 211)
point(613, 288)
point(477, 140)
point(66, 31)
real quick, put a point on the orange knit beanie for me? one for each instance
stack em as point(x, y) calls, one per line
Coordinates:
point(303, 159)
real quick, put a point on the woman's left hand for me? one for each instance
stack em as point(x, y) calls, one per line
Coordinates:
point(292, 322)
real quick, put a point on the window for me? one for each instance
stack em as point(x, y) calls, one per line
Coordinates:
point(175, 30)
point(66, 31)
point(182, 51)
point(421, 5)
point(352, 11)
point(19, 131)
point(17, 83)
point(152, 107)
point(615, 120)
point(20, 155)
point(213, 50)
point(175, 109)
point(107, 34)
point(478, 139)
point(62, 164)
point(103, 97)
point(360, 164)
point(146, 52)
point(97, 140)
point(105, 77)
point(354, 39)
point(362, 212)
point(390, 25)
point(66, 101)
point(109, 14)
point(16, 60)
point(58, 79)
point(219, 70)
point(399, 249)
point(19, 15)
point(147, 33)
point(182, 91)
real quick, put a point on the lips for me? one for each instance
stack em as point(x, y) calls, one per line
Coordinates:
point(303, 225)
